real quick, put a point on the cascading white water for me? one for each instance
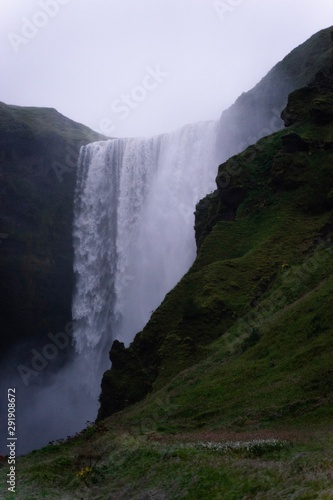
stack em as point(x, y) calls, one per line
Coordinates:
point(133, 230)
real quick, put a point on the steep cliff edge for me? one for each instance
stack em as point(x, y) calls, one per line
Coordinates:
point(204, 305)
point(38, 153)
point(256, 113)
point(264, 251)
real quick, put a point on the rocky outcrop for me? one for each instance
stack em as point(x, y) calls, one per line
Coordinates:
point(312, 103)
point(126, 384)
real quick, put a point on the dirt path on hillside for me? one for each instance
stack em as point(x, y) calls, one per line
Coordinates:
point(224, 435)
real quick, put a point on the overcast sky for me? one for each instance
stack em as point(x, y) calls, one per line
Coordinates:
point(142, 67)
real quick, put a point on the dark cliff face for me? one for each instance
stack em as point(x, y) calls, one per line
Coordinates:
point(272, 208)
point(38, 153)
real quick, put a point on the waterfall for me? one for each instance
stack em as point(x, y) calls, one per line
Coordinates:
point(133, 240)
point(133, 230)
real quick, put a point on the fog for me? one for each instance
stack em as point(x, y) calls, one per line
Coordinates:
point(133, 68)
point(54, 404)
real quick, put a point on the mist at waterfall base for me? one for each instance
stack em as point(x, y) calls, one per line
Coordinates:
point(133, 241)
point(53, 405)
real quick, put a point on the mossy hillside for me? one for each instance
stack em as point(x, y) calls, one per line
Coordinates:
point(39, 123)
point(38, 153)
point(224, 285)
point(272, 368)
point(272, 213)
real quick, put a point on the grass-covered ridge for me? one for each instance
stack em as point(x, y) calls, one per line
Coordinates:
point(256, 113)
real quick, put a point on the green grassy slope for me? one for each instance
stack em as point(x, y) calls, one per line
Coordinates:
point(253, 419)
point(111, 464)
